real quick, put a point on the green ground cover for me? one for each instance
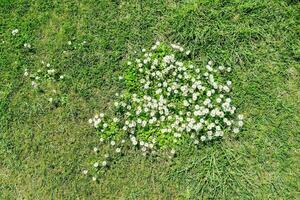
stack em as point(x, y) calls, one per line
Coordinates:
point(44, 147)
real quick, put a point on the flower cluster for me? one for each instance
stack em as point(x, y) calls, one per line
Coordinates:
point(45, 79)
point(169, 100)
point(27, 45)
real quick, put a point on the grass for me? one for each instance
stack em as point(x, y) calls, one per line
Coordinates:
point(43, 149)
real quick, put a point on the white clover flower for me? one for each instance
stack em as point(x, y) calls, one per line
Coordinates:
point(95, 149)
point(228, 100)
point(153, 47)
point(27, 45)
point(69, 42)
point(209, 68)
point(112, 143)
point(177, 135)
point(202, 138)
point(221, 68)
point(226, 88)
point(229, 123)
point(85, 172)
point(134, 142)
point(115, 120)
point(208, 93)
point(240, 123)
point(104, 163)
point(94, 178)
point(240, 117)
point(186, 103)
point(118, 150)
point(236, 130)
point(144, 149)
point(173, 151)
point(96, 122)
point(15, 31)
point(96, 164)
point(51, 71)
point(194, 97)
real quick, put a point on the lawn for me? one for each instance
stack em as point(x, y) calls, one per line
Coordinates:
point(43, 148)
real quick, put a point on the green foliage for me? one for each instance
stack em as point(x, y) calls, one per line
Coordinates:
point(43, 149)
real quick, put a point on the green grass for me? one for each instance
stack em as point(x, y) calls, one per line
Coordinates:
point(44, 148)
